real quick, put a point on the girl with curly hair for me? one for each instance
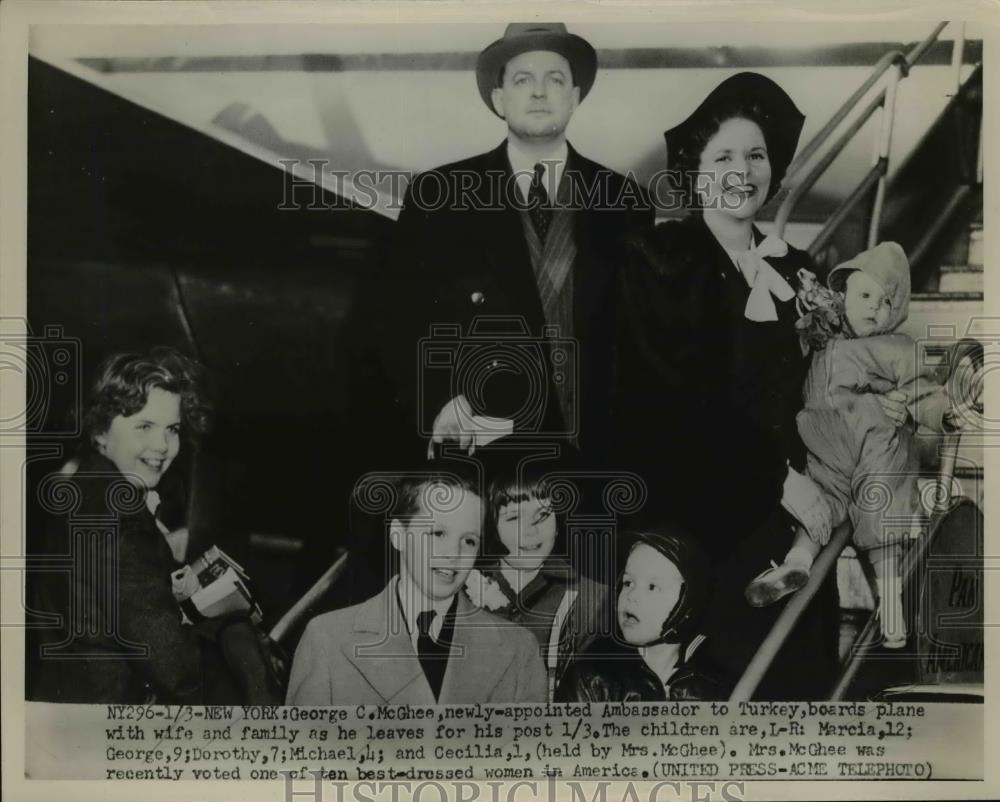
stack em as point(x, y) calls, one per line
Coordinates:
point(122, 639)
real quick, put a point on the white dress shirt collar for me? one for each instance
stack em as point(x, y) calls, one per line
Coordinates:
point(413, 602)
point(524, 167)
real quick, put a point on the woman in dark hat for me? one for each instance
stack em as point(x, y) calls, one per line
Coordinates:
point(711, 370)
point(654, 655)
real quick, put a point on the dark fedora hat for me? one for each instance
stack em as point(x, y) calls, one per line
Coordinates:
point(746, 94)
point(524, 37)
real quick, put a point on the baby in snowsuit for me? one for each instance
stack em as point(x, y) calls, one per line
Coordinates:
point(866, 465)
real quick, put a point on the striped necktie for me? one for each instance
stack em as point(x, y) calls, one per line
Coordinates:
point(433, 655)
point(538, 200)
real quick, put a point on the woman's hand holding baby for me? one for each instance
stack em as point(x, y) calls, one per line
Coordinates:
point(894, 405)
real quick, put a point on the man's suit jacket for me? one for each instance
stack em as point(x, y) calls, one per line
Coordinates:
point(460, 252)
point(363, 655)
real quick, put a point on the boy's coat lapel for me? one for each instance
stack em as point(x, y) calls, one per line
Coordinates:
point(383, 654)
point(478, 660)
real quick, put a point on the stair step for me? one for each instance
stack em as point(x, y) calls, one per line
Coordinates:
point(961, 268)
point(944, 316)
point(968, 280)
point(955, 298)
point(975, 245)
point(968, 465)
point(852, 585)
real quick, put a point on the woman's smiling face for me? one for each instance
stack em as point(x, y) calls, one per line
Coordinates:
point(651, 586)
point(735, 170)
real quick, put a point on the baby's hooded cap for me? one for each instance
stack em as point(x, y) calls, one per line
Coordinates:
point(888, 266)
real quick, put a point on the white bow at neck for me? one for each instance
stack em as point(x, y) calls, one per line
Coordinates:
point(764, 281)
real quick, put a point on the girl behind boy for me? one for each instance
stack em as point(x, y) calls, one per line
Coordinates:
point(525, 574)
point(866, 465)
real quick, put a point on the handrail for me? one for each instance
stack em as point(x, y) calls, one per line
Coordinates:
point(874, 175)
point(798, 185)
point(789, 617)
point(821, 166)
point(930, 235)
point(825, 132)
point(308, 599)
point(957, 55)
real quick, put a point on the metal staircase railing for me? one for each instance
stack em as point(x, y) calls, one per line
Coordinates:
point(798, 181)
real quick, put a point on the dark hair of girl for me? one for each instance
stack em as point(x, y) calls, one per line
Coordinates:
point(123, 384)
point(512, 479)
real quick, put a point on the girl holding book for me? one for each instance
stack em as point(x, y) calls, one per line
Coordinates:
point(125, 639)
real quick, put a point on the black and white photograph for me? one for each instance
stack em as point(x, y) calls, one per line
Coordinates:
point(533, 396)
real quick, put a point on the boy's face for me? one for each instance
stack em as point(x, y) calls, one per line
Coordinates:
point(866, 305)
point(438, 547)
point(651, 586)
point(527, 529)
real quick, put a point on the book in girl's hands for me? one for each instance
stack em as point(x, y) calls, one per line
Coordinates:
point(214, 585)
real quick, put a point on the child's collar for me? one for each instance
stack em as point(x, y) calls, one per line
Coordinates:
point(410, 596)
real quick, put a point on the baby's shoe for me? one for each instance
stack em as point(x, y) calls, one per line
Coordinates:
point(776, 582)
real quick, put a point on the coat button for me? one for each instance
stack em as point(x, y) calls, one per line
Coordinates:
point(478, 298)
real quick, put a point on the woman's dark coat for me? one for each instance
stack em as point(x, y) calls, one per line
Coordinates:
point(705, 412)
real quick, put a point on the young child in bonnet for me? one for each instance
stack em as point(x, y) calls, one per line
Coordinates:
point(866, 465)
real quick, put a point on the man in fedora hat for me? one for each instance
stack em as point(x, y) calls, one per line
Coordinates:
point(526, 238)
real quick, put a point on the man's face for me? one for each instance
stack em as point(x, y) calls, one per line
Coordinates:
point(438, 547)
point(537, 97)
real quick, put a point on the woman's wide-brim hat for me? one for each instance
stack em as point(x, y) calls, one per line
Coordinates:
point(525, 37)
point(781, 121)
